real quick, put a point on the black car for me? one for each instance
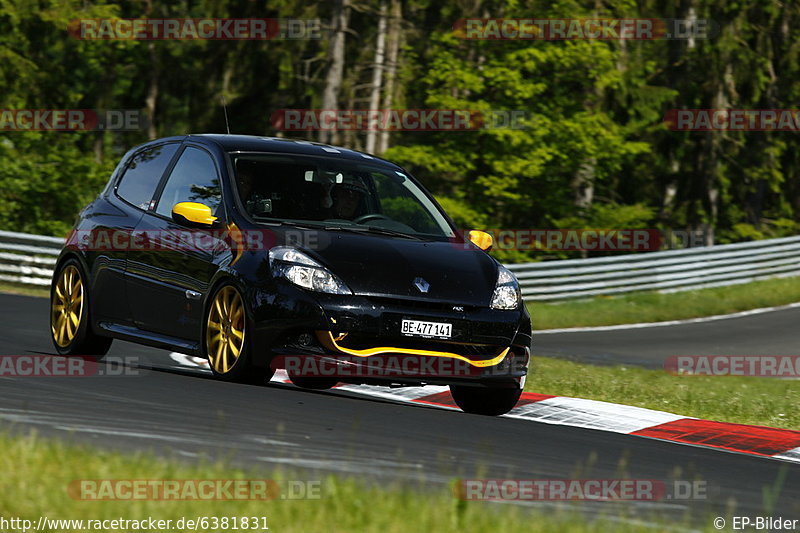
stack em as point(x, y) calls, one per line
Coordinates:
point(263, 253)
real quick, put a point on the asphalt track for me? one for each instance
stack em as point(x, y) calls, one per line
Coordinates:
point(181, 413)
point(768, 333)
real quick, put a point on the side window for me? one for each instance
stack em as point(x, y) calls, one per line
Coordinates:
point(193, 179)
point(143, 174)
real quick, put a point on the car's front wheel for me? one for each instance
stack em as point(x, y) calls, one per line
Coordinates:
point(70, 326)
point(492, 401)
point(228, 346)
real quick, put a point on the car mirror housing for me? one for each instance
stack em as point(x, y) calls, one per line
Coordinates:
point(193, 213)
point(481, 239)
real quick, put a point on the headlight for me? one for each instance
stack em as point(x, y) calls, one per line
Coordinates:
point(506, 292)
point(304, 272)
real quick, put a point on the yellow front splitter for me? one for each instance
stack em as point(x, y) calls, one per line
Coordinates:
point(329, 341)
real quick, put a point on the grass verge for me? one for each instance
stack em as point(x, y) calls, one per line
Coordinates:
point(37, 473)
point(27, 290)
point(743, 400)
point(656, 307)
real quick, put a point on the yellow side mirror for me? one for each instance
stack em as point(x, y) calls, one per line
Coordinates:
point(481, 239)
point(193, 213)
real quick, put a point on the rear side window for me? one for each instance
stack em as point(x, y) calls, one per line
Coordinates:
point(143, 174)
point(193, 179)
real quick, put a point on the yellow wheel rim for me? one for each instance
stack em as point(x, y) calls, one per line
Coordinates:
point(225, 330)
point(66, 306)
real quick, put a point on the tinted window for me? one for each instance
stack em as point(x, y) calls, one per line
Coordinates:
point(143, 174)
point(194, 179)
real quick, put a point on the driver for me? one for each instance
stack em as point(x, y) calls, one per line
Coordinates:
point(245, 176)
point(255, 203)
point(347, 197)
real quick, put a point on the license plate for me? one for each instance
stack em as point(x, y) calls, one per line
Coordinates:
point(420, 328)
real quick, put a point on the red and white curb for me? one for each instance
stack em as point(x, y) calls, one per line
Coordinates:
point(783, 444)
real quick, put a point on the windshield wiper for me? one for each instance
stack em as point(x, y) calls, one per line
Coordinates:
point(374, 229)
point(329, 227)
point(273, 222)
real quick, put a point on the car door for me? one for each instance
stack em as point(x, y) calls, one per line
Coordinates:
point(115, 220)
point(169, 276)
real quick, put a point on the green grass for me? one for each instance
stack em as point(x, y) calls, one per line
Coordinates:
point(37, 472)
point(27, 290)
point(656, 307)
point(744, 400)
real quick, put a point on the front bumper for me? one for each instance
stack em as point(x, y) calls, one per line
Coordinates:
point(358, 339)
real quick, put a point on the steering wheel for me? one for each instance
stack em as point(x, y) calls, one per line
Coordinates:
point(370, 216)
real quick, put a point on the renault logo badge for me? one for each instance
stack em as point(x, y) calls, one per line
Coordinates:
point(422, 285)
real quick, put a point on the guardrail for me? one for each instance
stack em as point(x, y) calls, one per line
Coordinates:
point(667, 271)
point(29, 259)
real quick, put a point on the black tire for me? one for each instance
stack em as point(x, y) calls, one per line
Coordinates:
point(305, 382)
point(490, 401)
point(242, 369)
point(83, 340)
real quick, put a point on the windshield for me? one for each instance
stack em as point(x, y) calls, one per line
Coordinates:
point(335, 193)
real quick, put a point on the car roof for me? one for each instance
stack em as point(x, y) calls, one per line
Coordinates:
point(254, 143)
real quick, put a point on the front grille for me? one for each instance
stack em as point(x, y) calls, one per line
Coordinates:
point(417, 304)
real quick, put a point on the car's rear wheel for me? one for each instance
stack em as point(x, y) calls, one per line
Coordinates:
point(490, 401)
point(70, 324)
point(313, 383)
point(228, 346)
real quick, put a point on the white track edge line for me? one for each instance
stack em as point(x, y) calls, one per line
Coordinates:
point(698, 320)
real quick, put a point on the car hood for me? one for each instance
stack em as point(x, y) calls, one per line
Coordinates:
point(373, 265)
